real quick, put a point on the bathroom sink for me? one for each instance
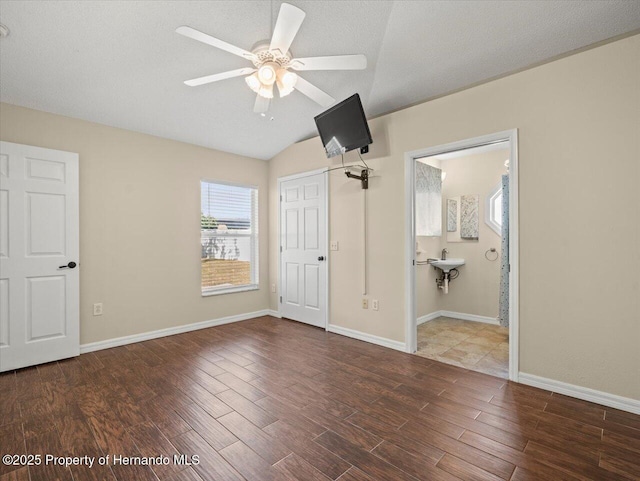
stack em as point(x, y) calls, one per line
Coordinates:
point(447, 264)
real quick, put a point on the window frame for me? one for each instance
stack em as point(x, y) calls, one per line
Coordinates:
point(489, 210)
point(254, 285)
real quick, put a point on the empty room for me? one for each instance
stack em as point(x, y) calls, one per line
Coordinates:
point(319, 240)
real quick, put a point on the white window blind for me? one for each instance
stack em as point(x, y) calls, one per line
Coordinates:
point(228, 237)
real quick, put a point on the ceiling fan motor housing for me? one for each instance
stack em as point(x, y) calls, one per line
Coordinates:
point(263, 55)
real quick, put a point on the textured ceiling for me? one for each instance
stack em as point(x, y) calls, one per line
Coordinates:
point(121, 63)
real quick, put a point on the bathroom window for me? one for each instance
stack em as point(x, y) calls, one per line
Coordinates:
point(493, 209)
point(228, 238)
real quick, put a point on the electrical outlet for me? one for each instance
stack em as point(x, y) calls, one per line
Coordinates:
point(97, 309)
point(333, 245)
point(374, 304)
point(273, 288)
point(365, 303)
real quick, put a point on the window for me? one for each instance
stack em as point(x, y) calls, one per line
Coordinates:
point(493, 209)
point(228, 237)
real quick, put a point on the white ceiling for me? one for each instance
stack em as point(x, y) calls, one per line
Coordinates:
point(121, 63)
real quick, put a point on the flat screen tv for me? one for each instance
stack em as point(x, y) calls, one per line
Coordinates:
point(344, 127)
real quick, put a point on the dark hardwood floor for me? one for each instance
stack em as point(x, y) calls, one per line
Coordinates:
point(270, 399)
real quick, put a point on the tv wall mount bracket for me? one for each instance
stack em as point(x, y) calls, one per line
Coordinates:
point(363, 177)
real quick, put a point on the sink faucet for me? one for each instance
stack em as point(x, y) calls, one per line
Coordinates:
point(444, 253)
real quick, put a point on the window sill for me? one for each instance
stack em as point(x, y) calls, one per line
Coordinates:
point(229, 290)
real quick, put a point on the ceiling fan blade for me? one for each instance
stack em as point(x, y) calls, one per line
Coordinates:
point(336, 62)
point(314, 93)
point(287, 25)
point(214, 42)
point(219, 76)
point(261, 105)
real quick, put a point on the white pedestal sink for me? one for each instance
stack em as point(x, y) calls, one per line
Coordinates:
point(447, 264)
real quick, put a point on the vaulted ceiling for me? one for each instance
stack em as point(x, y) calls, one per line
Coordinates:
point(120, 63)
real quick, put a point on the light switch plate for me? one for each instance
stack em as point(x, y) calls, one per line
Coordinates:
point(333, 245)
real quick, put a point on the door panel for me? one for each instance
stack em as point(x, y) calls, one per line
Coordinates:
point(46, 310)
point(4, 165)
point(4, 223)
point(39, 301)
point(42, 169)
point(4, 312)
point(311, 286)
point(45, 222)
point(303, 235)
point(311, 228)
point(291, 194)
point(311, 191)
point(292, 283)
point(291, 229)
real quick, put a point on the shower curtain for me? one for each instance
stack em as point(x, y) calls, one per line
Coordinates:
point(428, 200)
point(504, 262)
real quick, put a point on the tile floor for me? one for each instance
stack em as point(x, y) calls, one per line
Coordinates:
point(472, 345)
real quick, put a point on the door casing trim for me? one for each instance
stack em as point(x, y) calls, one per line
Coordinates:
point(510, 136)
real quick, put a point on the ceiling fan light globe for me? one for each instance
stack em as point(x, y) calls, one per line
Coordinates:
point(267, 74)
point(284, 90)
point(253, 82)
point(266, 91)
point(287, 79)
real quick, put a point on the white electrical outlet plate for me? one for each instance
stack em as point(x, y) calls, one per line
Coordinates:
point(374, 304)
point(365, 303)
point(333, 245)
point(97, 309)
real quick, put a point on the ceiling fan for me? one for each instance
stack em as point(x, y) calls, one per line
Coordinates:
point(273, 62)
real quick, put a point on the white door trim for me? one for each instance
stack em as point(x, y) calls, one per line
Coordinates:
point(410, 236)
point(326, 221)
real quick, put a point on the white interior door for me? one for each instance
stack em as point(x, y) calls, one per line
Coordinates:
point(39, 281)
point(303, 243)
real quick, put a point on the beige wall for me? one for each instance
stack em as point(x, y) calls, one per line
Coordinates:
point(579, 151)
point(385, 221)
point(139, 222)
point(476, 290)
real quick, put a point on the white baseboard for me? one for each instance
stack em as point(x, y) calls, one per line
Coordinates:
point(428, 317)
point(584, 393)
point(470, 317)
point(274, 313)
point(145, 336)
point(458, 315)
point(362, 336)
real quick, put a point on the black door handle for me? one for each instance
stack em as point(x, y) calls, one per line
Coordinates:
point(321, 258)
point(70, 265)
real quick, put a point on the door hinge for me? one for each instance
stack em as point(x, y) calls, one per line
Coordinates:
point(280, 198)
point(509, 267)
point(280, 248)
point(280, 299)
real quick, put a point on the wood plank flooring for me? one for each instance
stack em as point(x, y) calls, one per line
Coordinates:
point(270, 399)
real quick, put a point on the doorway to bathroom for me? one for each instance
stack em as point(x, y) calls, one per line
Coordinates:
point(461, 253)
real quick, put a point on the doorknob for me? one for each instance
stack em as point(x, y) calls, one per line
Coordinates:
point(70, 265)
point(321, 258)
